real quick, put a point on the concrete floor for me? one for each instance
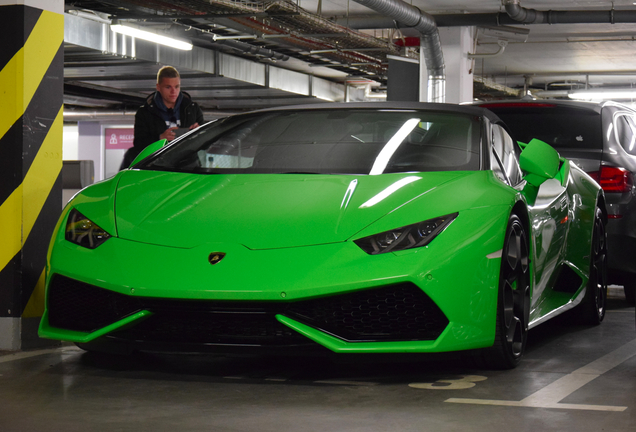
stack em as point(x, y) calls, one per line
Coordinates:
point(573, 378)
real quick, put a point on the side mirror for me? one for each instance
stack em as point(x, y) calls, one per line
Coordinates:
point(539, 161)
point(149, 150)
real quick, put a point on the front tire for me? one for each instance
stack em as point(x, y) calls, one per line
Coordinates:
point(513, 304)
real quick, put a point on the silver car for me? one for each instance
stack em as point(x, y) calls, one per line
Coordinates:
point(601, 139)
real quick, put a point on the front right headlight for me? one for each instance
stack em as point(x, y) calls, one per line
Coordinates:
point(407, 237)
point(84, 232)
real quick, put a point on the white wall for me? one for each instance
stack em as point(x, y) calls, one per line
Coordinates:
point(457, 42)
point(56, 6)
point(90, 145)
point(70, 142)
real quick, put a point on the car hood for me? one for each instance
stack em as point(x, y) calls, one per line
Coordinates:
point(263, 211)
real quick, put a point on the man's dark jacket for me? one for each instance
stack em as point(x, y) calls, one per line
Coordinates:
point(149, 124)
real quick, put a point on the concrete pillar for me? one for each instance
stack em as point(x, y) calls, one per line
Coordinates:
point(457, 42)
point(31, 118)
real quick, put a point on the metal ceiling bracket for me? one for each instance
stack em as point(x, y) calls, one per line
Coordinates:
point(502, 47)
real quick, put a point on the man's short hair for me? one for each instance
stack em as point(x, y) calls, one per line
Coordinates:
point(167, 72)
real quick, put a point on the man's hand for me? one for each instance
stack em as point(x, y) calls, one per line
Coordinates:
point(169, 134)
point(194, 126)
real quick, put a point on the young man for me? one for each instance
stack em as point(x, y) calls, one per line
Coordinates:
point(165, 111)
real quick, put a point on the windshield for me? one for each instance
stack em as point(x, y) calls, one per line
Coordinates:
point(339, 141)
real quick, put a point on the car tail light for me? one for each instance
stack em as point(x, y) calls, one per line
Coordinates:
point(613, 179)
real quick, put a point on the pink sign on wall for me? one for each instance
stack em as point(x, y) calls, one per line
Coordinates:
point(119, 138)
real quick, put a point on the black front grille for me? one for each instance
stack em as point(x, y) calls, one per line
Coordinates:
point(79, 306)
point(395, 312)
point(392, 313)
point(213, 327)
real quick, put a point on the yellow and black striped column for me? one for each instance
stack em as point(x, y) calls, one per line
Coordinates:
point(31, 110)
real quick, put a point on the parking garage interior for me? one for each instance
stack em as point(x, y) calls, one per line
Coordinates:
point(86, 82)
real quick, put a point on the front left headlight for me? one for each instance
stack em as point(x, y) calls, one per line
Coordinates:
point(407, 237)
point(84, 232)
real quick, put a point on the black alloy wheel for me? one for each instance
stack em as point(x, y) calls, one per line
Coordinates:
point(595, 301)
point(513, 306)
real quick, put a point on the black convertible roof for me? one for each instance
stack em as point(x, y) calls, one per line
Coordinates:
point(437, 107)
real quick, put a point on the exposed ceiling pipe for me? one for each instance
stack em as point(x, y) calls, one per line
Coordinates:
point(431, 44)
point(87, 15)
point(532, 16)
point(362, 22)
point(523, 15)
point(238, 45)
point(254, 50)
point(365, 22)
point(298, 28)
point(87, 114)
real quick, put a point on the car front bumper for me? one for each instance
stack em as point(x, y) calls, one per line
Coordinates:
point(438, 298)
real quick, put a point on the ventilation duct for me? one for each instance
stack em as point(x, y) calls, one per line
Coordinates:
point(361, 22)
point(424, 23)
point(532, 16)
point(515, 15)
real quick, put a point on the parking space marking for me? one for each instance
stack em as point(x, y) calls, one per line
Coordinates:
point(465, 382)
point(28, 354)
point(346, 383)
point(549, 396)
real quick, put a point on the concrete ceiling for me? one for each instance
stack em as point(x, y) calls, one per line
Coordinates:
point(288, 58)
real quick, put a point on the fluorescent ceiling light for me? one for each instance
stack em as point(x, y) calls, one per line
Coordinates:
point(604, 94)
point(150, 36)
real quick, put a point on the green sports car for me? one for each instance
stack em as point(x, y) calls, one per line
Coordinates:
point(359, 228)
